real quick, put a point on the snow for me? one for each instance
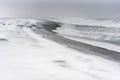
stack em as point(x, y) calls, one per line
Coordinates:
point(28, 56)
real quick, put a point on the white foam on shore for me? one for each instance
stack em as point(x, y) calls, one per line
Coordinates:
point(71, 32)
point(105, 45)
point(90, 22)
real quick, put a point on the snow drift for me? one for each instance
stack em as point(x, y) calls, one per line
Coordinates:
point(25, 55)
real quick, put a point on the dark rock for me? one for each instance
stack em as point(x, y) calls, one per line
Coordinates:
point(50, 25)
point(3, 39)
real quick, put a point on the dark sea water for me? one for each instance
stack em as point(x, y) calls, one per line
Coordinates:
point(99, 33)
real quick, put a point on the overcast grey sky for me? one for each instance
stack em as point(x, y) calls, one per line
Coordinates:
point(67, 1)
point(59, 8)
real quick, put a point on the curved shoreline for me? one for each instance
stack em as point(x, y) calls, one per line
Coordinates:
point(82, 47)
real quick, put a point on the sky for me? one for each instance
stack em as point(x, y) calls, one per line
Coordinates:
point(58, 8)
point(62, 1)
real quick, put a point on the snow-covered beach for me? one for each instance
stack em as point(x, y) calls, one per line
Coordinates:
point(29, 55)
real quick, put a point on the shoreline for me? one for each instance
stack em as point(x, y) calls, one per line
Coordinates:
point(79, 46)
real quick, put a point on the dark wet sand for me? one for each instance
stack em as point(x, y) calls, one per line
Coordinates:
point(82, 47)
